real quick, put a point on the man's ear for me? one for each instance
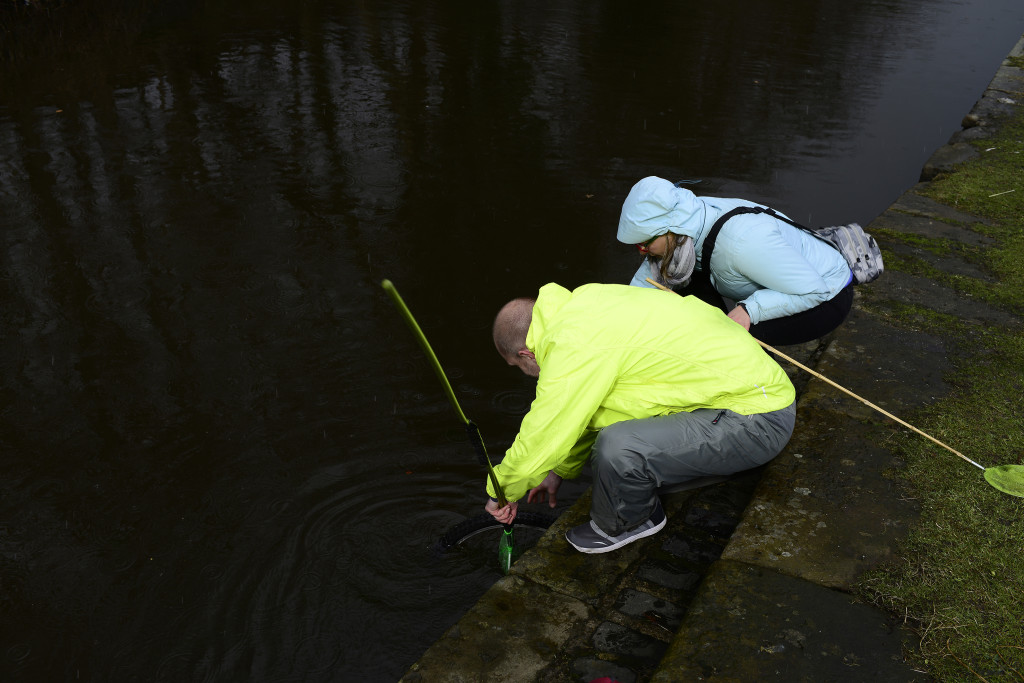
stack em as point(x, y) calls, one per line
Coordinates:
point(526, 352)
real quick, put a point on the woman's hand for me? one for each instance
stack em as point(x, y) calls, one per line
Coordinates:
point(740, 316)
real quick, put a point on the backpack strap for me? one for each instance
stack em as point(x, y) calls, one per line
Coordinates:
point(797, 225)
point(709, 241)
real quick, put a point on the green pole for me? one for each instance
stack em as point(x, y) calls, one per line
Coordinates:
point(471, 428)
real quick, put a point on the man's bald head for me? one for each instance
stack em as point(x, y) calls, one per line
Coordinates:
point(511, 326)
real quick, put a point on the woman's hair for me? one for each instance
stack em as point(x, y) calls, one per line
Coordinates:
point(671, 241)
point(511, 326)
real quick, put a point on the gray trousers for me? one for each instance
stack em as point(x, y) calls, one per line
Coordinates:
point(631, 459)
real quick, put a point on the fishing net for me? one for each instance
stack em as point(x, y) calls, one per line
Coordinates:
point(1007, 478)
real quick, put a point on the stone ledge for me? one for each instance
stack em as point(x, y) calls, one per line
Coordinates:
point(753, 624)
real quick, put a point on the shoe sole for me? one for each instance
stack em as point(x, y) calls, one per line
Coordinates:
point(594, 551)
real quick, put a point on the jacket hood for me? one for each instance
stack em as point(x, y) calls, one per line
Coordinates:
point(550, 300)
point(655, 206)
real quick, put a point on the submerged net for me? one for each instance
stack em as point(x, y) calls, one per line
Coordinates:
point(507, 551)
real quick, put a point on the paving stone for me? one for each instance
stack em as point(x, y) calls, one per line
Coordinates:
point(946, 158)
point(1008, 81)
point(670, 576)
point(694, 550)
point(588, 669)
point(916, 290)
point(914, 202)
point(559, 567)
point(995, 105)
point(715, 522)
point(642, 605)
point(862, 361)
point(511, 634)
point(753, 624)
point(930, 224)
point(617, 639)
point(826, 512)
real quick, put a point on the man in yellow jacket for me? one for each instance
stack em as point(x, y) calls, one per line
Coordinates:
point(656, 389)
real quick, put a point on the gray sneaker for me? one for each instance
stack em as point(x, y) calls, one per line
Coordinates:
point(588, 538)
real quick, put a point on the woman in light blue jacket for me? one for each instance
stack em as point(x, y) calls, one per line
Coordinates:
point(782, 284)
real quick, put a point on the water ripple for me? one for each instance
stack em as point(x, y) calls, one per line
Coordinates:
point(352, 541)
point(512, 403)
point(18, 652)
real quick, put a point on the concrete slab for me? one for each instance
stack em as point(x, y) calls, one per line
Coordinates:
point(931, 225)
point(950, 264)
point(1008, 81)
point(894, 368)
point(995, 105)
point(510, 635)
point(558, 567)
point(945, 159)
point(752, 624)
point(914, 203)
point(905, 288)
point(824, 511)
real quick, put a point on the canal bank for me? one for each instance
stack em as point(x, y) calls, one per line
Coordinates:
point(751, 578)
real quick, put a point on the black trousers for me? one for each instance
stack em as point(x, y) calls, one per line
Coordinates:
point(798, 328)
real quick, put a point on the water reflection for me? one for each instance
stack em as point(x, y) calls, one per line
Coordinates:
point(224, 455)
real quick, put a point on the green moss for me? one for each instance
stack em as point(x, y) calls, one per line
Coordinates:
point(992, 293)
point(961, 579)
point(992, 185)
point(936, 245)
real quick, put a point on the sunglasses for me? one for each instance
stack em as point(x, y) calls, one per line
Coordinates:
point(645, 247)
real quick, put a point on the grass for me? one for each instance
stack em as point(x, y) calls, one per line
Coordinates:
point(960, 582)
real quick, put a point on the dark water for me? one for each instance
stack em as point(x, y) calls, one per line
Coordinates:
point(223, 455)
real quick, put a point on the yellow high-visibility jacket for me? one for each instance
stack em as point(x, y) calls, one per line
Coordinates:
point(609, 353)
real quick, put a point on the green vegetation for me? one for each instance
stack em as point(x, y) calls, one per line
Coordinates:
point(993, 186)
point(960, 584)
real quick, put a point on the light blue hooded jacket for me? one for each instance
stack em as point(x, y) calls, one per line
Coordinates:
point(774, 269)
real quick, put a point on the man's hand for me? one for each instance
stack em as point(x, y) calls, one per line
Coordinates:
point(546, 490)
point(506, 514)
point(740, 316)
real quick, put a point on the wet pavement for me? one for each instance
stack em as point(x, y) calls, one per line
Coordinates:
point(750, 579)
